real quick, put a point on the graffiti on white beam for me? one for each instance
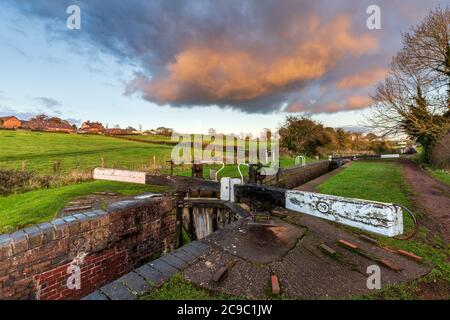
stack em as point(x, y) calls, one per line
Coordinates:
point(377, 217)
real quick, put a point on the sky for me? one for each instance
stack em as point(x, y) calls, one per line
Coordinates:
point(235, 66)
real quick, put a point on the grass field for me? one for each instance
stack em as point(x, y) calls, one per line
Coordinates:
point(21, 210)
point(84, 152)
point(78, 153)
point(383, 181)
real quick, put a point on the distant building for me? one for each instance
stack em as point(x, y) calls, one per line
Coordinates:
point(162, 131)
point(92, 128)
point(59, 126)
point(10, 122)
point(117, 132)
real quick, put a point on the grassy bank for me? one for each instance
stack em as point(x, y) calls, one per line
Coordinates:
point(383, 181)
point(75, 152)
point(21, 210)
point(439, 174)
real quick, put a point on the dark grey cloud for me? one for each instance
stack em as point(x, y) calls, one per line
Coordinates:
point(257, 56)
point(49, 103)
point(22, 115)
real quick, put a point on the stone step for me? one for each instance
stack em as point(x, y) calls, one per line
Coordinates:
point(135, 282)
point(96, 295)
point(151, 275)
point(116, 290)
point(163, 267)
point(174, 261)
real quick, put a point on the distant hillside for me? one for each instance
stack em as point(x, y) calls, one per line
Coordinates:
point(40, 150)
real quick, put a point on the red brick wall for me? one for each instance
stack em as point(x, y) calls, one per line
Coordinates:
point(34, 261)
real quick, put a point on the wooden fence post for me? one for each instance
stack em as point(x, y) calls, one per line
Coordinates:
point(57, 167)
point(24, 165)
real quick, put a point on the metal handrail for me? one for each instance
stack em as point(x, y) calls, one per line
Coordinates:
point(214, 162)
point(416, 224)
point(239, 169)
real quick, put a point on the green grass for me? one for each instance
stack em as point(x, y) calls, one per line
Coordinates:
point(21, 210)
point(177, 288)
point(84, 152)
point(81, 152)
point(148, 138)
point(439, 174)
point(378, 181)
point(383, 181)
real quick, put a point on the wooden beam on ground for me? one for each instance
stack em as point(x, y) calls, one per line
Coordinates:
point(179, 183)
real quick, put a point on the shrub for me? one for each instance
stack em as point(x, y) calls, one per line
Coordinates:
point(440, 156)
point(12, 181)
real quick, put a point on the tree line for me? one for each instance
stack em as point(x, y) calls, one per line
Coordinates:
point(302, 135)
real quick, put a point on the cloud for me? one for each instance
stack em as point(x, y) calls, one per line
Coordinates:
point(358, 102)
point(362, 79)
point(23, 115)
point(204, 75)
point(49, 103)
point(254, 56)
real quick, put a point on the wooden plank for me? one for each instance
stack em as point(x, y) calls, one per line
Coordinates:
point(377, 217)
point(180, 183)
point(120, 175)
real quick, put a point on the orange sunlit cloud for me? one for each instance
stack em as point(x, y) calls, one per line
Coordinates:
point(202, 72)
point(363, 79)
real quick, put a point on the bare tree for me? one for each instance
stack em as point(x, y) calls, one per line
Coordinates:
point(415, 97)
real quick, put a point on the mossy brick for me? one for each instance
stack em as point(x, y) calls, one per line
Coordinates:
point(19, 242)
point(123, 205)
point(48, 231)
point(94, 217)
point(5, 246)
point(35, 236)
point(61, 228)
point(104, 217)
point(85, 222)
point(74, 224)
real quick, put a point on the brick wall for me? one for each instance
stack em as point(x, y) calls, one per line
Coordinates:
point(293, 177)
point(34, 261)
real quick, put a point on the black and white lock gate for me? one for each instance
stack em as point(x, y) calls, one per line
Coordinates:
point(378, 217)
